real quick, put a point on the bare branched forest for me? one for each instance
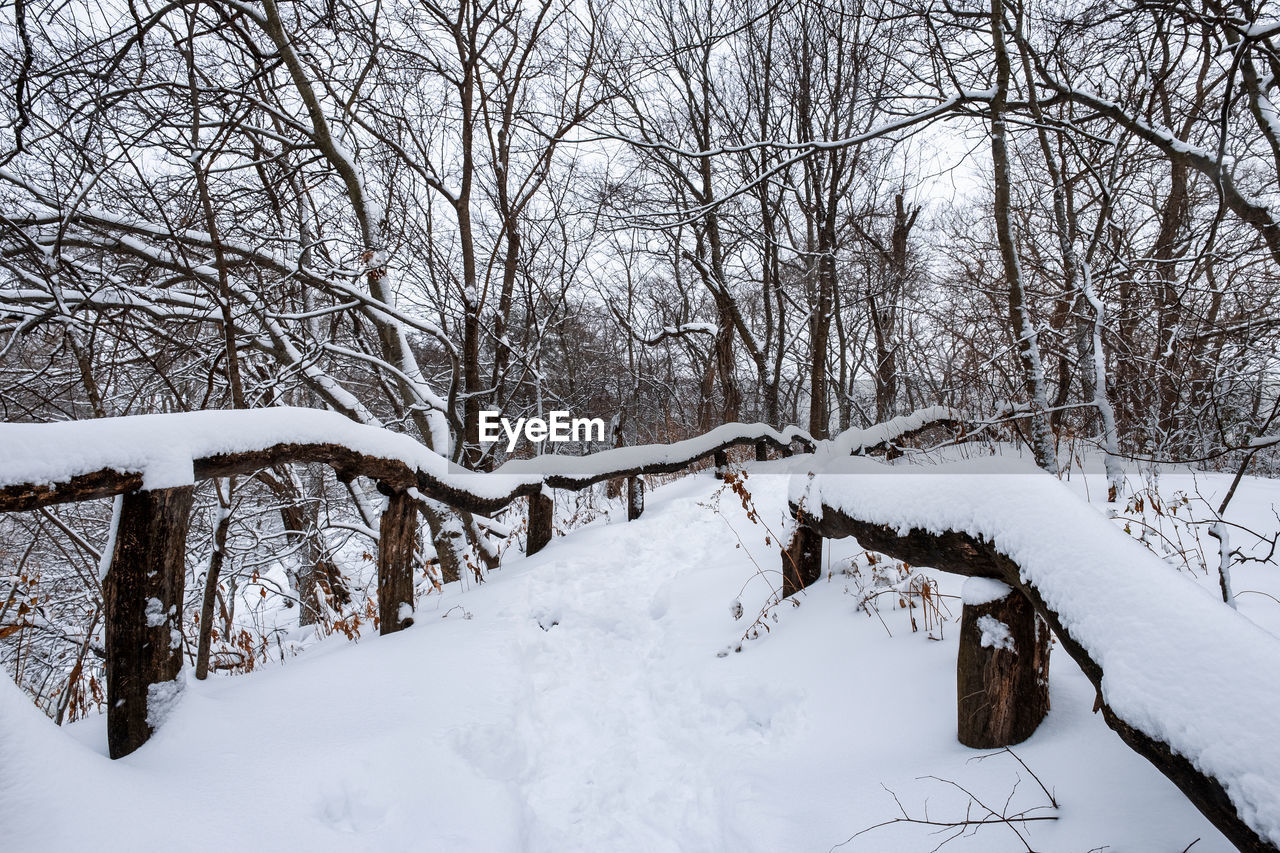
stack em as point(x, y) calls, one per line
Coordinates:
point(909, 319)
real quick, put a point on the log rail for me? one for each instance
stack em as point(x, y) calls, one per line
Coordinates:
point(960, 553)
point(143, 585)
point(396, 474)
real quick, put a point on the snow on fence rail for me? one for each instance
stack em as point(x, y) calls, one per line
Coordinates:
point(1187, 682)
point(45, 464)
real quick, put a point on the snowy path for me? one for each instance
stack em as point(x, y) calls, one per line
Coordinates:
point(583, 707)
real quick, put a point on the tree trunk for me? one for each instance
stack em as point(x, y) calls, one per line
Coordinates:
point(1002, 672)
point(143, 595)
point(1169, 378)
point(820, 331)
point(397, 546)
point(721, 459)
point(317, 575)
point(1024, 331)
point(216, 561)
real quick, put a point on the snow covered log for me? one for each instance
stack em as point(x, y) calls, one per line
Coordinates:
point(887, 437)
point(1002, 668)
point(142, 595)
point(46, 464)
point(1187, 682)
point(397, 548)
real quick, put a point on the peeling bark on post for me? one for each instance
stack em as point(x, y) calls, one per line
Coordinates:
point(1002, 672)
point(801, 560)
point(542, 510)
point(722, 463)
point(635, 498)
point(398, 537)
point(143, 596)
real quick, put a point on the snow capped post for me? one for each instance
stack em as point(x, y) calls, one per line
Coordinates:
point(142, 592)
point(802, 558)
point(1002, 669)
point(635, 498)
point(397, 540)
point(542, 510)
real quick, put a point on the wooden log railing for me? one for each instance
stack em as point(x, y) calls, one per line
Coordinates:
point(143, 588)
point(889, 437)
point(359, 451)
point(973, 556)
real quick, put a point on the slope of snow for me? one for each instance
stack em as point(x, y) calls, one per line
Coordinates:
point(590, 698)
point(1178, 664)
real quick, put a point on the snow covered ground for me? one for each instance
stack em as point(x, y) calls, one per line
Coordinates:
point(592, 698)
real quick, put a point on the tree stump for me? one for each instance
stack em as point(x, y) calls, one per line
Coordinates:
point(542, 511)
point(635, 498)
point(762, 451)
point(397, 547)
point(142, 594)
point(1002, 670)
point(722, 463)
point(801, 560)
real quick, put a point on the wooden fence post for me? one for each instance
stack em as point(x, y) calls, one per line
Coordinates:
point(722, 463)
point(142, 593)
point(542, 511)
point(801, 559)
point(762, 451)
point(397, 546)
point(635, 497)
point(1002, 671)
